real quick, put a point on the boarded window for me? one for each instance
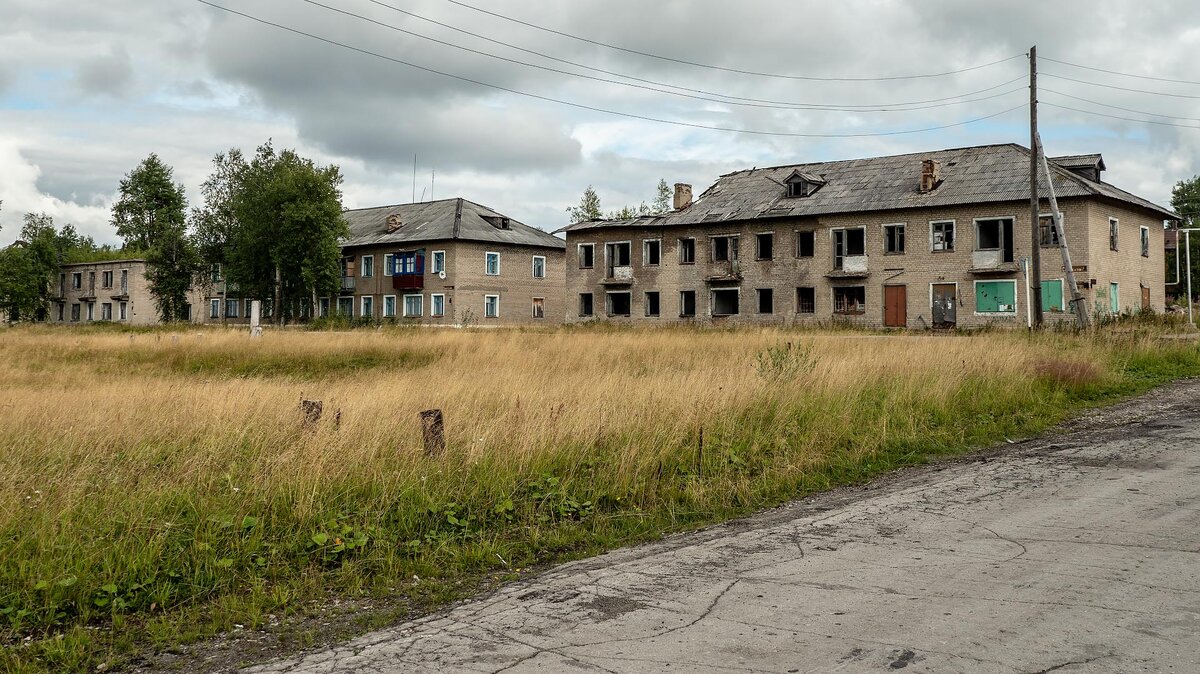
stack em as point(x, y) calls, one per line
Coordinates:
point(805, 243)
point(941, 235)
point(806, 300)
point(687, 303)
point(764, 246)
point(651, 252)
point(893, 239)
point(585, 304)
point(687, 251)
point(652, 303)
point(996, 297)
point(725, 302)
point(849, 300)
point(766, 301)
point(1047, 232)
point(618, 303)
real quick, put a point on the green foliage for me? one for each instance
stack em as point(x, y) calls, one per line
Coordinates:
point(588, 208)
point(22, 283)
point(1185, 200)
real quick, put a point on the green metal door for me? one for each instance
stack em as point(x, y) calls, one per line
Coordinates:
point(1052, 296)
point(1114, 302)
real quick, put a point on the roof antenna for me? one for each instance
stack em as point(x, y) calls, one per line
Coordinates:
point(414, 199)
point(422, 195)
point(432, 178)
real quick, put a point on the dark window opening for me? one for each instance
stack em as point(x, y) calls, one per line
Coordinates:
point(651, 252)
point(652, 303)
point(805, 242)
point(806, 300)
point(724, 248)
point(587, 255)
point(725, 302)
point(1047, 232)
point(849, 300)
point(1145, 242)
point(989, 235)
point(585, 304)
point(848, 243)
point(766, 301)
point(893, 239)
point(1112, 234)
point(618, 303)
point(765, 246)
point(687, 251)
point(687, 303)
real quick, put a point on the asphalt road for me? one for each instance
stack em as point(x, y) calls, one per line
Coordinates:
point(1078, 552)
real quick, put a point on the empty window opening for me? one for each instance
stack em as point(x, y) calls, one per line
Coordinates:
point(1047, 232)
point(617, 255)
point(652, 303)
point(941, 236)
point(1112, 234)
point(1145, 242)
point(585, 304)
point(724, 248)
point(725, 302)
point(805, 243)
point(618, 304)
point(651, 252)
point(848, 243)
point(806, 300)
point(539, 307)
point(850, 300)
point(587, 255)
point(687, 251)
point(687, 303)
point(995, 234)
point(766, 300)
point(764, 245)
point(893, 239)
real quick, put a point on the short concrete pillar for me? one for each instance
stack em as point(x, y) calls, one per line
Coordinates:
point(255, 316)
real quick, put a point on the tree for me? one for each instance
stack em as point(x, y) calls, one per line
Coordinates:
point(283, 228)
point(662, 201)
point(1185, 200)
point(588, 208)
point(21, 284)
point(149, 216)
point(215, 224)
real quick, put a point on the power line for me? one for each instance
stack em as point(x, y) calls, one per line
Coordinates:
point(1114, 72)
point(779, 105)
point(842, 107)
point(1113, 86)
point(809, 78)
point(1127, 119)
point(1117, 107)
point(594, 108)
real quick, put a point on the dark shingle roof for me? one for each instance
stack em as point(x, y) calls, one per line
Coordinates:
point(1072, 161)
point(440, 220)
point(970, 175)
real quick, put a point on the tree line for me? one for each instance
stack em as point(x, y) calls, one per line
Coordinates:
point(272, 222)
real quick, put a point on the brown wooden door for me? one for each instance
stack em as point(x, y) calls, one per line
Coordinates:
point(1145, 298)
point(895, 306)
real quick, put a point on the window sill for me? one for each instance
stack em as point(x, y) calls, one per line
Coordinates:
point(764, 259)
point(688, 263)
point(894, 253)
point(948, 250)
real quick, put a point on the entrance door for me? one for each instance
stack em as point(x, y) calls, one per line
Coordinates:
point(1145, 298)
point(944, 305)
point(895, 306)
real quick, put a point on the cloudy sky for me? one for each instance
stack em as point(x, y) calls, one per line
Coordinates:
point(87, 90)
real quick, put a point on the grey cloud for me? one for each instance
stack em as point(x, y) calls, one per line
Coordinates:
point(110, 74)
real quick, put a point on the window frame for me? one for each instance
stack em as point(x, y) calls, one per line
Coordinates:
point(534, 266)
point(903, 229)
point(758, 239)
point(538, 307)
point(657, 301)
point(349, 301)
point(366, 270)
point(1002, 219)
point(487, 263)
point(811, 235)
point(1114, 234)
point(76, 312)
point(434, 311)
point(712, 301)
point(76, 280)
point(953, 236)
point(236, 304)
point(106, 279)
point(322, 307)
point(833, 296)
point(1051, 230)
point(363, 301)
point(758, 301)
point(123, 311)
point(106, 311)
point(975, 297)
point(732, 248)
point(682, 304)
point(579, 247)
point(608, 310)
point(611, 246)
point(437, 261)
point(646, 252)
point(840, 264)
point(591, 305)
point(389, 264)
point(384, 313)
point(420, 297)
point(800, 307)
point(1144, 240)
point(691, 248)
point(214, 309)
point(485, 306)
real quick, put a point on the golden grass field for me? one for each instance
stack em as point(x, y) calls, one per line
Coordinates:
point(161, 483)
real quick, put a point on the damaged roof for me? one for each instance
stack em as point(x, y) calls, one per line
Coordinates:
point(969, 175)
point(440, 220)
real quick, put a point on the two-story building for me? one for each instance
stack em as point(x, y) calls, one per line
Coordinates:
point(113, 290)
point(448, 262)
point(935, 239)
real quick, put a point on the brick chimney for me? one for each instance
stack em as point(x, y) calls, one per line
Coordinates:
point(930, 175)
point(683, 196)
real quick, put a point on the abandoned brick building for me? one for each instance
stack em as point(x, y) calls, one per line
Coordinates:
point(112, 290)
point(928, 240)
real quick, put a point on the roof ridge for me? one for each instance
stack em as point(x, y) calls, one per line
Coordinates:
point(885, 156)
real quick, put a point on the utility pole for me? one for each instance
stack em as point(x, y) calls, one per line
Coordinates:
point(1035, 257)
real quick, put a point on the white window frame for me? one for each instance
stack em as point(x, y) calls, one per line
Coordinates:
point(487, 257)
point(214, 309)
point(953, 240)
point(362, 266)
point(534, 307)
point(485, 306)
point(435, 266)
point(386, 313)
point(975, 296)
point(646, 252)
point(883, 234)
point(433, 310)
point(420, 297)
point(534, 266)
point(362, 306)
point(389, 264)
point(579, 256)
point(1144, 240)
point(322, 307)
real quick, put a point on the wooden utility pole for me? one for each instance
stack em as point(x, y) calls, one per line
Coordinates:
point(1035, 257)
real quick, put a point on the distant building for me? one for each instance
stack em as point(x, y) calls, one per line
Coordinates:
point(114, 290)
point(927, 240)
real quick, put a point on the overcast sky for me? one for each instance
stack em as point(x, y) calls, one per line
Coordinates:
point(87, 90)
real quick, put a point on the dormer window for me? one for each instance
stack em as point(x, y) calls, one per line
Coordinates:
point(497, 221)
point(803, 184)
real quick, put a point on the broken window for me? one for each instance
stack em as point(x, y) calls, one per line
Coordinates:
point(764, 246)
point(725, 302)
point(651, 252)
point(849, 300)
point(848, 243)
point(1145, 242)
point(1047, 232)
point(806, 300)
point(766, 300)
point(617, 255)
point(995, 297)
point(587, 255)
point(1112, 234)
point(805, 243)
point(941, 235)
point(585, 304)
point(652, 303)
point(988, 234)
point(687, 251)
point(893, 239)
point(618, 304)
point(724, 248)
point(687, 303)
point(539, 307)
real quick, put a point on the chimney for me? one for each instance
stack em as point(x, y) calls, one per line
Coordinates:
point(930, 175)
point(683, 196)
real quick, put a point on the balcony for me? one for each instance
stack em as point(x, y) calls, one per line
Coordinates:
point(619, 276)
point(121, 293)
point(852, 266)
point(87, 293)
point(408, 281)
point(347, 284)
point(724, 271)
point(984, 262)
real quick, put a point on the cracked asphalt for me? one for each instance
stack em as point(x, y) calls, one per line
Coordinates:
point(1079, 551)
